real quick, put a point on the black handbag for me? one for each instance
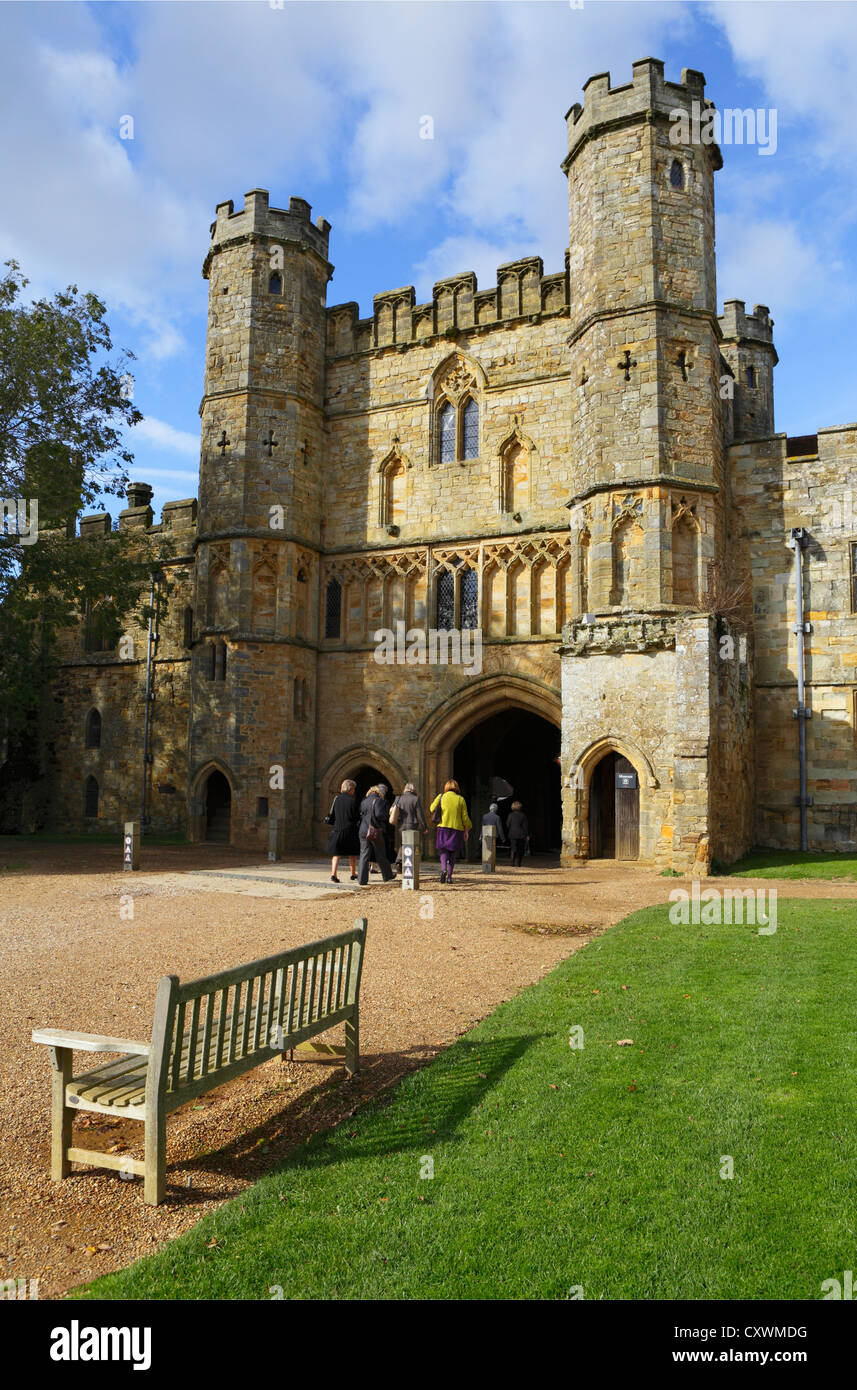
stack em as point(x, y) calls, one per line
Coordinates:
point(329, 818)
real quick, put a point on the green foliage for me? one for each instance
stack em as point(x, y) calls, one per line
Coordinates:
point(599, 1166)
point(64, 407)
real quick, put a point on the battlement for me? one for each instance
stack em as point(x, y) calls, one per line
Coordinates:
point(176, 517)
point(457, 305)
point(737, 324)
point(648, 96)
point(260, 221)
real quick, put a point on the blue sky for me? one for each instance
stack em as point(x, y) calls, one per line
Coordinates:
point(324, 101)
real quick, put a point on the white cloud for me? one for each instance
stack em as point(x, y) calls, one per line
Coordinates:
point(806, 57)
point(769, 262)
point(164, 436)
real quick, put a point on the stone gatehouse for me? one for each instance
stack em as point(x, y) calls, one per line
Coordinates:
point(581, 466)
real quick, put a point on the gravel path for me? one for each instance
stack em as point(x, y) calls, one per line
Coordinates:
point(68, 958)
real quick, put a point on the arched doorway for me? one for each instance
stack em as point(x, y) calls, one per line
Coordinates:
point(367, 776)
point(614, 809)
point(513, 756)
point(218, 808)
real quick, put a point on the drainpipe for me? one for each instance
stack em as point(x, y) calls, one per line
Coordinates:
point(799, 542)
point(144, 816)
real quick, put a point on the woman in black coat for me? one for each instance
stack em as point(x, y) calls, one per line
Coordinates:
point(344, 838)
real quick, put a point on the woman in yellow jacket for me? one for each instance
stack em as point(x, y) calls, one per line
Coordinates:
point(453, 828)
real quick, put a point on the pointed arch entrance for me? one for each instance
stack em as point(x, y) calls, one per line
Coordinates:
point(608, 802)
point(212, 804)
point(500, 739)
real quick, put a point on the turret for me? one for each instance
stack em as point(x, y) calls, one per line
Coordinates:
point(647, 445)
point(264, 375)
point(748, 347)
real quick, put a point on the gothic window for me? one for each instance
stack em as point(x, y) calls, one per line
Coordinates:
point(93, 729)
point(333, 609)
point(220, 661)
point(751, 378)
point(275, 284)
point(684, 561)
point(469, 595)
point(187, 627)
point(445, 596)
point(90, 798)
point(677, 174)
point(470, 430)
point(446, 428)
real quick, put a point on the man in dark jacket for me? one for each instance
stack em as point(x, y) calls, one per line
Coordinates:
point(374, 816)
point(411, 813)
point(518, 830)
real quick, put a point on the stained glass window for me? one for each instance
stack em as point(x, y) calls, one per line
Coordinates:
point(447, 434)
point(333, 609)
point(469, 598)
point(676, 174)
point(445, 617)
point(470, 432)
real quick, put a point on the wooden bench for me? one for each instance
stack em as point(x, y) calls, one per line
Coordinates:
point(204, 1033)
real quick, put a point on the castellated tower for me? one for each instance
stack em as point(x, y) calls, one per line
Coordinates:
point(645, 358)
point(648, 504)
point(254, 678)
point(748, 348)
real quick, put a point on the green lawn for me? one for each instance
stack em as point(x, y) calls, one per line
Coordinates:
point(600, 1167)
point(793, 863)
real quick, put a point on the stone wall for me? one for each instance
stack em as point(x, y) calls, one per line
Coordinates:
point(774, 491)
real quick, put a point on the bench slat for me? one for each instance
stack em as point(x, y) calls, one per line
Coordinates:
point(88, 1042)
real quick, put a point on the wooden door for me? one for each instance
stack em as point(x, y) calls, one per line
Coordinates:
point(627, 810)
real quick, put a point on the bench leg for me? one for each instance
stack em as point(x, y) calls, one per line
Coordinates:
point(155, 1177)
point(61, 1116)
point(352, 1042)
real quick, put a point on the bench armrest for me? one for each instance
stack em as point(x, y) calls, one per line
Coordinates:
point(88, 1042)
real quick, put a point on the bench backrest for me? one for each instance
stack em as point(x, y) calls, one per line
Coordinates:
point(207, 1031)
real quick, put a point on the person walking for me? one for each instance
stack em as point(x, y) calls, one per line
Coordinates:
point(344, 817)
point(408, 814)
point(374, 818)
point(453, 828)
point(518, 830)
point(492, 817)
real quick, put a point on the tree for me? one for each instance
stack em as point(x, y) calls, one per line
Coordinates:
point(64, 406)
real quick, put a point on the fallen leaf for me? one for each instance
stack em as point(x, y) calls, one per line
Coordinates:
point(624, 1042)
